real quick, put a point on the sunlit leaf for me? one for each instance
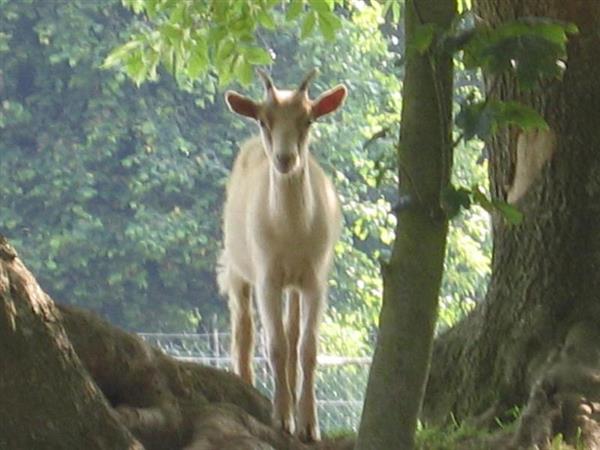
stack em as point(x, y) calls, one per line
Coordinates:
point(308, 25)
point(328, 25)
point(118, 55)
point(257, 56)
point(294, 9)
point(198, 62)
point(394, 7)
point(321, 6)
point(244, 71)
point(172, 32)
point(266, 20)
point(225, 50)
point(136, 68)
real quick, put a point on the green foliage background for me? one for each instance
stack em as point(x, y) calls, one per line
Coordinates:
point(113, 192)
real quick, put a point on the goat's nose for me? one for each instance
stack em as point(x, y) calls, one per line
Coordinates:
point(284, 162)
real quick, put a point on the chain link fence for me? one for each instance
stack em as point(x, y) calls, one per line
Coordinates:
point(341, 380)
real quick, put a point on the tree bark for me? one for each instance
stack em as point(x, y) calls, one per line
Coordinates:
point(545, 274)
point(169, 404)
point(413, 275)
point(44, 388)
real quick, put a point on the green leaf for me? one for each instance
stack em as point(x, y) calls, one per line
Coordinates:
point(137, 6)
point(329, 23)
point(266, 20)
point(198, 62)
point(422, 38)
point(294, 9)
point(257, 56)
point(178, 14)
point(530, 48)
point(516, 113)
point(173, 33)
point(308, 24)
point(454, 199)
point(225, 50)
point(396, 11)
point(119, 54)
point(483, 118)
point(475, 119)
point(509, 212)
point(321, 6)
point(151, 8)
point(394, 6)
point(136, 69)
point(481, 199)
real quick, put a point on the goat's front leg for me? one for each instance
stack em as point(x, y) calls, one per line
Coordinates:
point(271, 314)
point(313, 302)
point(292, 329)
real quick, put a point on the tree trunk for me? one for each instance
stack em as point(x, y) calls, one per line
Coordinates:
point(413, 275)
point(545, 274)
point(43, 386)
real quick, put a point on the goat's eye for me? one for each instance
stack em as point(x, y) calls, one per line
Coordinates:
point(309, 122)
point(262, 123)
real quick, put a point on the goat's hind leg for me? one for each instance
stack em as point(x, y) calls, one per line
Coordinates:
point(242, 328)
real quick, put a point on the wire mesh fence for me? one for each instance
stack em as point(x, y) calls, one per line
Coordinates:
point(341, 380)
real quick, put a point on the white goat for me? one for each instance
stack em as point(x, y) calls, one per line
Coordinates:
point(281, 221)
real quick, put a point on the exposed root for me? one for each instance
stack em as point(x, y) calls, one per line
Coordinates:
point(169, 404)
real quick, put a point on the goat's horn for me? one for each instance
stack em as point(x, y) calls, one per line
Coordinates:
point(307, 79)
point(266, 79)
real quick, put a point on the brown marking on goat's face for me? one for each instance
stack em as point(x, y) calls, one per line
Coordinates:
point(285, 119)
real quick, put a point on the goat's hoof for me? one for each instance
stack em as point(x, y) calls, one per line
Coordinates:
point(285, 424)
point(309, 433)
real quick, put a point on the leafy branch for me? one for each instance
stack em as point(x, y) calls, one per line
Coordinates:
point(191, 39)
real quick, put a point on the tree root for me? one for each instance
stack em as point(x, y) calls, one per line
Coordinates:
point(564, 399)
point(169, 404)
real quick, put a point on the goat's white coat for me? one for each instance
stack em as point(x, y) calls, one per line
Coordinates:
point(290, 220)
point(279, 232)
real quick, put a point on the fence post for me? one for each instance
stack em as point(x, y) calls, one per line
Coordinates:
point(217, 350)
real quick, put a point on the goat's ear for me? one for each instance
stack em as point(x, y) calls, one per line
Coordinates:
point(329, 101)
point(241, 105)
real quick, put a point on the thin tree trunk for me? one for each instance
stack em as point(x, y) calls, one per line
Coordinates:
point(413, 275)
point(43, 386)
point(545, 275)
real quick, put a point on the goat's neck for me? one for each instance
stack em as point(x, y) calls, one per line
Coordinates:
point(291, 197)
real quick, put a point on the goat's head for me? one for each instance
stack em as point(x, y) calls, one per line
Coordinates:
point(285, 117)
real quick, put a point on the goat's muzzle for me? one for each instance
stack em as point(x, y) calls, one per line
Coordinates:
point(285, 163)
